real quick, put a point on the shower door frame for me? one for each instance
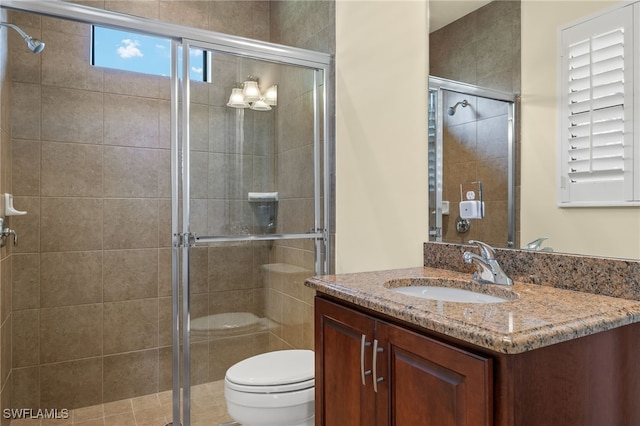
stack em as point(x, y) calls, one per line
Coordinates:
point(438, 85)
point(182, 239)
point(185, 240)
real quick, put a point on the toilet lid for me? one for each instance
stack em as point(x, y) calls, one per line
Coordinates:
point(274, 369)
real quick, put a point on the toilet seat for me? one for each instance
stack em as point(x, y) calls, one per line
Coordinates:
point(273, 372)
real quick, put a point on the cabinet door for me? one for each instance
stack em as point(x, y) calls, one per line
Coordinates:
point(341, 397)
point(432, 383)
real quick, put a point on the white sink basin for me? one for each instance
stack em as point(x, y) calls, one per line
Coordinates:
point(447, 294)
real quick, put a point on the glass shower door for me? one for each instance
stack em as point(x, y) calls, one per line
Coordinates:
point(252, 216)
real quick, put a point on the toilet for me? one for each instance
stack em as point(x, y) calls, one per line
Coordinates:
point(272, 389)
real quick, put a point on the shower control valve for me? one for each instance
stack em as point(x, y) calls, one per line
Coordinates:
point(5, 232)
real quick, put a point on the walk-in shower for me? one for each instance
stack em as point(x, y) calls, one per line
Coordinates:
point(147, 270)
point(471, 156)
point(35, 45)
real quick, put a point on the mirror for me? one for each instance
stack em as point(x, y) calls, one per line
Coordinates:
point(474, 53)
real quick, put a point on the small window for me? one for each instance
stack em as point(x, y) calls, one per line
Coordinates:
point(141, 53)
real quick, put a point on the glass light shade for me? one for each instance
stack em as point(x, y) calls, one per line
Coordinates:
point(260, 105)
point(236, 100)
point(251, 91)
point(271, 95)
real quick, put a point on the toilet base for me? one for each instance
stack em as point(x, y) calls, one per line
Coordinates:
point(244, 416)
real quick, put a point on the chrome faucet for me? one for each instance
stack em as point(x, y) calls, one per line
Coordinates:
point(489, 270)
point(536, 245)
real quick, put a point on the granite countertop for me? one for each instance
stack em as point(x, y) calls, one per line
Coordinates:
point(540, 316)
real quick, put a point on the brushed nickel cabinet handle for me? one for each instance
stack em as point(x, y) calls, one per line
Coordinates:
point(363, 344)
point(376, 379)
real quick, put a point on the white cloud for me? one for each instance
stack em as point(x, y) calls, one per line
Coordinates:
point(195, 52)
point(197, 70)
point(129, 49)
point(160, 46)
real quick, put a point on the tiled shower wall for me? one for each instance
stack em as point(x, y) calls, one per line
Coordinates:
point(91, 157)
point(481, 48)
point(308, 25)
point(91, 295)
point(5, 252)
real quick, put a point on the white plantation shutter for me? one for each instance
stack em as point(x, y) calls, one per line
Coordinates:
point(597, 143)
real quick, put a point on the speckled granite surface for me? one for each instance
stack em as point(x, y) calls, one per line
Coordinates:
point(597, 275)
point(541, 315)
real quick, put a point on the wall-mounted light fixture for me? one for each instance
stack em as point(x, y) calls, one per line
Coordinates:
point(248, 95)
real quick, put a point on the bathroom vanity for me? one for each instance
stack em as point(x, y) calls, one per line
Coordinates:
point(547, 356)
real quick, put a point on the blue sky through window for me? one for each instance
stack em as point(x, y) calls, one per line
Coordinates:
point(140, 53)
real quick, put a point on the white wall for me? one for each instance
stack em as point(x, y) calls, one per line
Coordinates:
point(597, 231)
point(381, 134)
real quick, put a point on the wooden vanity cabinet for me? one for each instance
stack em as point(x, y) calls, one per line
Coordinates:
point(423, 378)
point(371, 372)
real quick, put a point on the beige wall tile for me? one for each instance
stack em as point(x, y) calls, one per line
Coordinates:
point(70, 278)
point(62, 66)
point(131, 121)
point(71, 170)
point(200, 362)
point(164, 272)
point(243, 18)
point(26, 338)
point(164, 173)
point(130, 223)
point(164, 130)
point(130, 172)
point(130, 274)
point(233, 301)
point(70, 332)
point(165, 321)
point(27, 226)
point(6, 359)
point(133, 83)
point(71, 224)
point(25, 278)
point(71, 115)
point(165, 380)
point(199, 127)
point(146, 9)
point(230, 267)
point(26, 388)
point(130, 325)
point(6, 292)
point(189, 13)
point(71, 384)
point(26, 167)
point(25, 111)
point(131, 374)
point(164, 223)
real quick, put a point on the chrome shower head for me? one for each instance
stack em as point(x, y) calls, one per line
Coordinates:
point(35, 45)
point(452, 110)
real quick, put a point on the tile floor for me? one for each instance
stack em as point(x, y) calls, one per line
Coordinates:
point(208, 408)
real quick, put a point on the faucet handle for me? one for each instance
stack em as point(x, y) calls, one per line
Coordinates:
point(486, 250)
